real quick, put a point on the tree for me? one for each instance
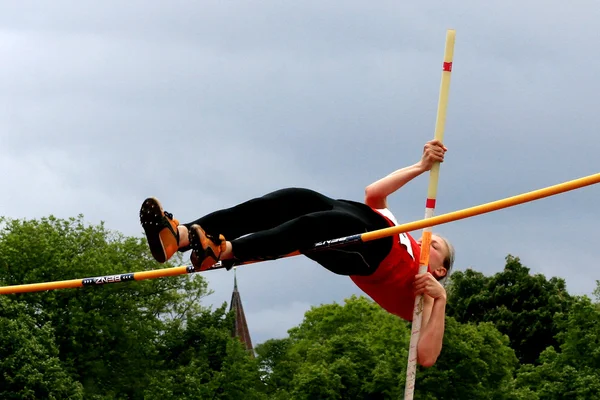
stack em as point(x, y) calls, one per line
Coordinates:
point(525, 307)
point(476, 363)
point(106, 335)
point(29, 363)
point(348, 351)
point(202, 361)
point(574, 372)
point(357, 350)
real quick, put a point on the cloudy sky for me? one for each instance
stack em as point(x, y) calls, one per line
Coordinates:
point(205, 104)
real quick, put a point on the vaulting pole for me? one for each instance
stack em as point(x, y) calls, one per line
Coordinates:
point(429, 210)
point(339, 242)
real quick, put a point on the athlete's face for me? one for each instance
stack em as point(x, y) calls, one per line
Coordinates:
point(438, 251)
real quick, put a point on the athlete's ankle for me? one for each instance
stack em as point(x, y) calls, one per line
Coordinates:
point(227, 254)
point(184, 240)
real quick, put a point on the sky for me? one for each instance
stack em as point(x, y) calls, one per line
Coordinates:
point(208, 104)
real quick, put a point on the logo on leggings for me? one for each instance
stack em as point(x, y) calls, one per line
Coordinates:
point(330, 242)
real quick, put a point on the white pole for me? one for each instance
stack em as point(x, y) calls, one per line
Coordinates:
point(429, 209)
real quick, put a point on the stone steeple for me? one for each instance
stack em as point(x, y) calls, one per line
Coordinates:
point(240, 329)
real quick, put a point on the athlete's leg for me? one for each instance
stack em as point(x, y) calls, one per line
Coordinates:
point(301, 233)
point(165, 235)
point(263, 212)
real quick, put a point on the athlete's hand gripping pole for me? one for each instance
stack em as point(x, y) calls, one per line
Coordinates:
point(429, 210)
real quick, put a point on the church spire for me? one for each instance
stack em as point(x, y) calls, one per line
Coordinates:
point(240, 328)
point(235, 289)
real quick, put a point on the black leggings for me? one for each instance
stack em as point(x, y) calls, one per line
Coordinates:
point(293, 219)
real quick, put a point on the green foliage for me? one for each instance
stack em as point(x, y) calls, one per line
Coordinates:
point(349, 351)
point(574, 372)
point(476, 363)
point(202, 361)
point(526, 308)
point(359, 351)
point(510, 336)
point(29, 363)
point(108, 338)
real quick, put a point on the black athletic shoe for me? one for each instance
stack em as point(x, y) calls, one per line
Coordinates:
point(206, 249)
point(161, 230)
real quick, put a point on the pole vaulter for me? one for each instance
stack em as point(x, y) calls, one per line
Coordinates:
point(364, 237)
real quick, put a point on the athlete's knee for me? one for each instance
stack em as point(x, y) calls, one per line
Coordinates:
point(292, 191)
point(295, 193)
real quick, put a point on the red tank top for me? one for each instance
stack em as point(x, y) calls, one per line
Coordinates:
point(391, 285)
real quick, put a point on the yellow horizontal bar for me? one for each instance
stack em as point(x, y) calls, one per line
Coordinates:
point(484, 208)
point(159, 273)
point(75, 283)
point(38, 287)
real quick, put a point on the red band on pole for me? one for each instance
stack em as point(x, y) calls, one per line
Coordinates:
point(430, 203)
point(447, 66)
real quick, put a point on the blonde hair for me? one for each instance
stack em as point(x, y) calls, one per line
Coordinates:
point(449, 259)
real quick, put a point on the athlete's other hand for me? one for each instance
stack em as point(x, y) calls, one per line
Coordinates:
point(433, 152)
point(427, 284)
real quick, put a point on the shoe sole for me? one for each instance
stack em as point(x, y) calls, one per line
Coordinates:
point(151, 213)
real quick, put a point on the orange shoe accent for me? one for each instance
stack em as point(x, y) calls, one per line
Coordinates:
point(160, 228)
point(206, 249)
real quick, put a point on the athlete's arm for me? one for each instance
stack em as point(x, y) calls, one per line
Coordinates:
point(432, 331)
point(433, 319)
point(376, 193)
